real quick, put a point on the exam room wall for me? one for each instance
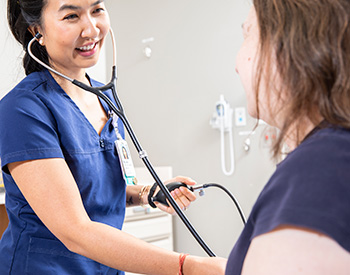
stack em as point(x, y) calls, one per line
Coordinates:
point(170, 97)
point(10, 55)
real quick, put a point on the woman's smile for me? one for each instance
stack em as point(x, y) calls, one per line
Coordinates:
point(88, 49)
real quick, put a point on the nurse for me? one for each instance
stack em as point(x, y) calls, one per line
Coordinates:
point(65, 194)
point(294, 65)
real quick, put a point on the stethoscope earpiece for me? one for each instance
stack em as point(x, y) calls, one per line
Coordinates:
point(38, 35)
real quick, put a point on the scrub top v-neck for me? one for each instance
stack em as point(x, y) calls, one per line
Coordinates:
point(39, 120)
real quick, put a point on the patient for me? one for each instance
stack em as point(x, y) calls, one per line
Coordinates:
point(295, 65)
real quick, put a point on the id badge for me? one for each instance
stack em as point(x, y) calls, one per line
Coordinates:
point(126, 161)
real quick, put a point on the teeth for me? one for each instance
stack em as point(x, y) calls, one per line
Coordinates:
point(87, 48)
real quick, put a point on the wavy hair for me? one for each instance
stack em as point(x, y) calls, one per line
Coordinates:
point(310, 43)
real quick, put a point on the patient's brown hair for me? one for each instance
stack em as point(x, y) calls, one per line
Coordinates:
point(310, 42)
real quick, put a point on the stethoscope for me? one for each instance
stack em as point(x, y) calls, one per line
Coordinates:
point(119, 111)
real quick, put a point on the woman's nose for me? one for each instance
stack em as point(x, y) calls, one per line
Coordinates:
point(90, 29)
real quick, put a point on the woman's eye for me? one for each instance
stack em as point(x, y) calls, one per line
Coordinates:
point(98, 10)
point(70, 17)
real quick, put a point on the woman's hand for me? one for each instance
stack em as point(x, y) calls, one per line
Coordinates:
point(183, 196)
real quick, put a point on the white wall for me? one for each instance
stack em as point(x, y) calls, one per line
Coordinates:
point(10, 55)
point(170, 98)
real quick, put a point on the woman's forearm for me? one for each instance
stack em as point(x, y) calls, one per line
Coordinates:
point(120, 250)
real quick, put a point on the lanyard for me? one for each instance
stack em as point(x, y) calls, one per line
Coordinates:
point(124, 155)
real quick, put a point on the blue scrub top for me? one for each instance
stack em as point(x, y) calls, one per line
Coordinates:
point(39, 120)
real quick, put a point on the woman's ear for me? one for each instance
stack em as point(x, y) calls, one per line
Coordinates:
point(35, 30)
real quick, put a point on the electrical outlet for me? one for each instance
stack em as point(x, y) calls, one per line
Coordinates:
point(240, 116)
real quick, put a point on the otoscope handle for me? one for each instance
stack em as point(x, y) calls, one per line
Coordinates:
point(160, 196)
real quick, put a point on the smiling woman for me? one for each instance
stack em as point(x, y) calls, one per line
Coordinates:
point(65, 191)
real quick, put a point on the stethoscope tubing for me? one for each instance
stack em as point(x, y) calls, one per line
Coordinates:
point(119, 111)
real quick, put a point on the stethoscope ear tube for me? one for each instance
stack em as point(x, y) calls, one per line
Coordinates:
point(120, 113)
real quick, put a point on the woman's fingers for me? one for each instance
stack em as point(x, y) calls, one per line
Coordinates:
point(182, 195)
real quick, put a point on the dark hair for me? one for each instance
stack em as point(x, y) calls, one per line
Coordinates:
point(21, 14)
point(310, 43)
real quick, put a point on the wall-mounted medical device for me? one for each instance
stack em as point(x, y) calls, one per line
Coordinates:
point(222, 120)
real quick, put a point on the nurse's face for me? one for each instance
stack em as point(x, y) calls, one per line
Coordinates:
point(73, 33)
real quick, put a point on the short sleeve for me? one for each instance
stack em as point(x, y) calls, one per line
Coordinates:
point(310, 189)
point(27, 129)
